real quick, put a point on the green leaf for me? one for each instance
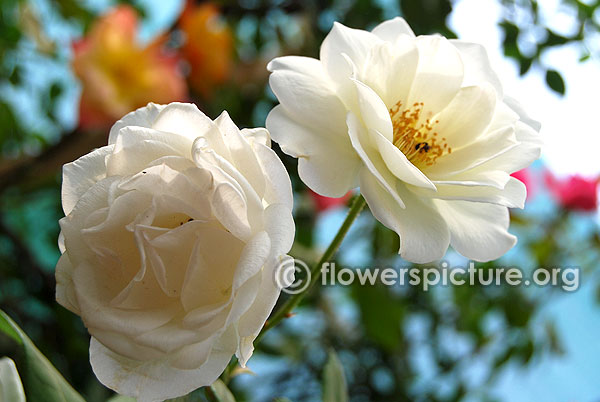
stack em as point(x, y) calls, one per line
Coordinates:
point(222, 393)
point(555, 81)
point(334, 380)
point(43, 382)
point(382, 325)
point(11, 388)
point(525, 65)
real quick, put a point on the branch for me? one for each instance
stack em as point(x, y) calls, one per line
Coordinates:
point(32, 170)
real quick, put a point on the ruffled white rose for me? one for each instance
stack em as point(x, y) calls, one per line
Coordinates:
point(420, 124)
point(170, 239)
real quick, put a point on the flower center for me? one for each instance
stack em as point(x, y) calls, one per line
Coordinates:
point(416, 139)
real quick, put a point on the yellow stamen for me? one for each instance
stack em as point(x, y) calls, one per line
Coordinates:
point(414, 138)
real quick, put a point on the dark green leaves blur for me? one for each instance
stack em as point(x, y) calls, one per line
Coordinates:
point(40, 379)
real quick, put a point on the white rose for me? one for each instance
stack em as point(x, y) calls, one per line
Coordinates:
point(420, 124)
point(170, 239)
point(11, 388)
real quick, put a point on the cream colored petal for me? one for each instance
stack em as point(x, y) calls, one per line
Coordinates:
point(183, 119)
point(65, 291)
point(242, 154)
point(11, 388)
point(392, 30)
point(308, 96)
point(389, 70)
point(467, 116)
point(478, 231)
point(373, 112)
point(278, 184)
point(342, 42)
point(327, 166)
point(424, 235)
point(478, 68)
point(439, 74)
point(372, 159)
point(512, 195)
point(136, 148)
point(142, 117)
point(212, 267)
point(485, 149)
point(158, 380)
point(80, 175)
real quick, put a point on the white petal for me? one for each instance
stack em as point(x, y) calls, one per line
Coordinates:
point(467, 116)
point(372, 158)
point(521, 156)
point(354, 43)
point(523, 116)
point(65, 289)
point(253, 320)
point(11, 388)
point(478, 68)
point(391, 30)
point(252, 258)
point(424, 235)
point(93, 200)
point(439, 74)
point(373, 111)
point(477, 177)
point(242, 154)
point(399, 165)
point(154, 380)
point(527, 148)
point(280, 226)
point(136, 147)
point(389, 70)
point(184, 119)
point(279, 187)
point(229, 207)
point(80, 175)
point(327, 166)
point(478, 231)
point(480, 152)
point(307, 95)
point(512, 195)
point(259, 135)
point(94, 292)
point(142, 117)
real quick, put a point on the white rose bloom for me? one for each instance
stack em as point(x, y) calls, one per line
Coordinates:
point(420, 124)
point(11, 388)
point(170, 239)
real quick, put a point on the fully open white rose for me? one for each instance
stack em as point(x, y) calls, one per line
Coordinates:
point(420, 124)
point(170, 239)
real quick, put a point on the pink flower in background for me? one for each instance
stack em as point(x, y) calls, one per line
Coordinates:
point(526, 177)
point(323, 203)
point(574, 192)
point(118, 74)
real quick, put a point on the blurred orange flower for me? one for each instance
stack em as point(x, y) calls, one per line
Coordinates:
point(208, 46)
point(119, 75)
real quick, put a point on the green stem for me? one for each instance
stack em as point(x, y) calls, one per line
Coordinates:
point(315, 273)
